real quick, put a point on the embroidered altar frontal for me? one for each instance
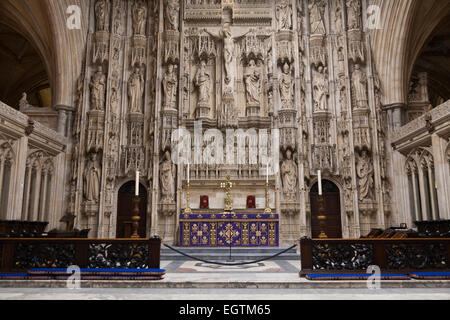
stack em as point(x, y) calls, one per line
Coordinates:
point(225, 229)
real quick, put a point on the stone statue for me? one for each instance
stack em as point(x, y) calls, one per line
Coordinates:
point(316, 9)
point(102, 15)
point(359, 83)
point(98, 87)
point(364, 170)
point(228, 50)
point(252, 79)
point(286, 88)
point(321, 91)
point(353, 14)
point(202, 81)
point(170, 86)
point(338, 17)
point(172, 13)
point(139, 18)
point(289, 175)
point(117, 22)
point(167, 179)
point(92, 179)
point(135, 91)
point(284, 15)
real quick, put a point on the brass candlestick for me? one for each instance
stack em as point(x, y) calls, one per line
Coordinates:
point(135, 218)
point(321, 217)
point(267, 209)
point(188, 199)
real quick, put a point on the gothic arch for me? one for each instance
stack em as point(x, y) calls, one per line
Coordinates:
point(405, 27)
point(43, 24)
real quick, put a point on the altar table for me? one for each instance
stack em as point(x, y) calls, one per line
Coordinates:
point(225, 229)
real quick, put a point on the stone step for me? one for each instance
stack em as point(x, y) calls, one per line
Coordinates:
point(223, 253)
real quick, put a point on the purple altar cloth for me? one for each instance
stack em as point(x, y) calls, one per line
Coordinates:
point(223, 229)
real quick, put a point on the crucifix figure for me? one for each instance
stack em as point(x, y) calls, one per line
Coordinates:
point(228, 50)
point(227, 186)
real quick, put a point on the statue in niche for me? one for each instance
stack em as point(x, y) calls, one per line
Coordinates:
point(98, 87)
point(338, 17)
point(353, 14)
point(117, 21)
point(289, 175)
point(343, 95)
point(284, 15)
point(167, 179)
point(92, 179)
point(172, 13)
point(252, 79)
point(286, 88)
point(202, 81)
point(135, 91)
point(321, 90)
point(316, 9)
point(359, 83)
point(364, 170)
point(139, 18)
point(170, 86)
point(102, 15)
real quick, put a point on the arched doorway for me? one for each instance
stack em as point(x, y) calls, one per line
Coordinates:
point(125, 210)
point(332, 210)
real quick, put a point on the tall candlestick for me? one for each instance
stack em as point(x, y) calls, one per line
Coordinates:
point(137, 184)
point(319, 178)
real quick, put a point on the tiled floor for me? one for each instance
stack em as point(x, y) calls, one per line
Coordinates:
point(270, 266)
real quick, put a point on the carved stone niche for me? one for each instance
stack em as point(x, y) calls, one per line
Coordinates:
point(368, 208)
point(228, 117)
point(356, 49)
point(101, 47)
point(285, 51)
point(318, 51)
point(290, 208)
point(361, 129)
point(96, 128)
point(167, 209)
point(138, 45)
point(288, 129)
point(171, 47)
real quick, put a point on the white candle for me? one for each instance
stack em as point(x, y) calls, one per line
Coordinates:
point(267, 172)
point(188, 172)
point(137, 184)
point(319, 178)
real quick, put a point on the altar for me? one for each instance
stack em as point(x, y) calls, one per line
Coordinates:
point(229, 229)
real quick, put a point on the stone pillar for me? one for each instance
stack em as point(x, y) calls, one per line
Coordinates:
point(396, 112)
point(64, 115)
point(441, 175)
point(18, 180)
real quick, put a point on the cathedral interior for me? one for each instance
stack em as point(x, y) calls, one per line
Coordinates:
point(355, 95)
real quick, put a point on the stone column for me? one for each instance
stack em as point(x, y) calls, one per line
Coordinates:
point(64, 115)
point(18, 180)
point(396, 114)
point(441, 175)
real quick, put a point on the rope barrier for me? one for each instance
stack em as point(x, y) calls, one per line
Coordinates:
point(228, 264)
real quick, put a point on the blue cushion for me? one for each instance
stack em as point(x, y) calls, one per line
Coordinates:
point(12, 276)
point(430, 275)
point(355, 276)
point(99, 271)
